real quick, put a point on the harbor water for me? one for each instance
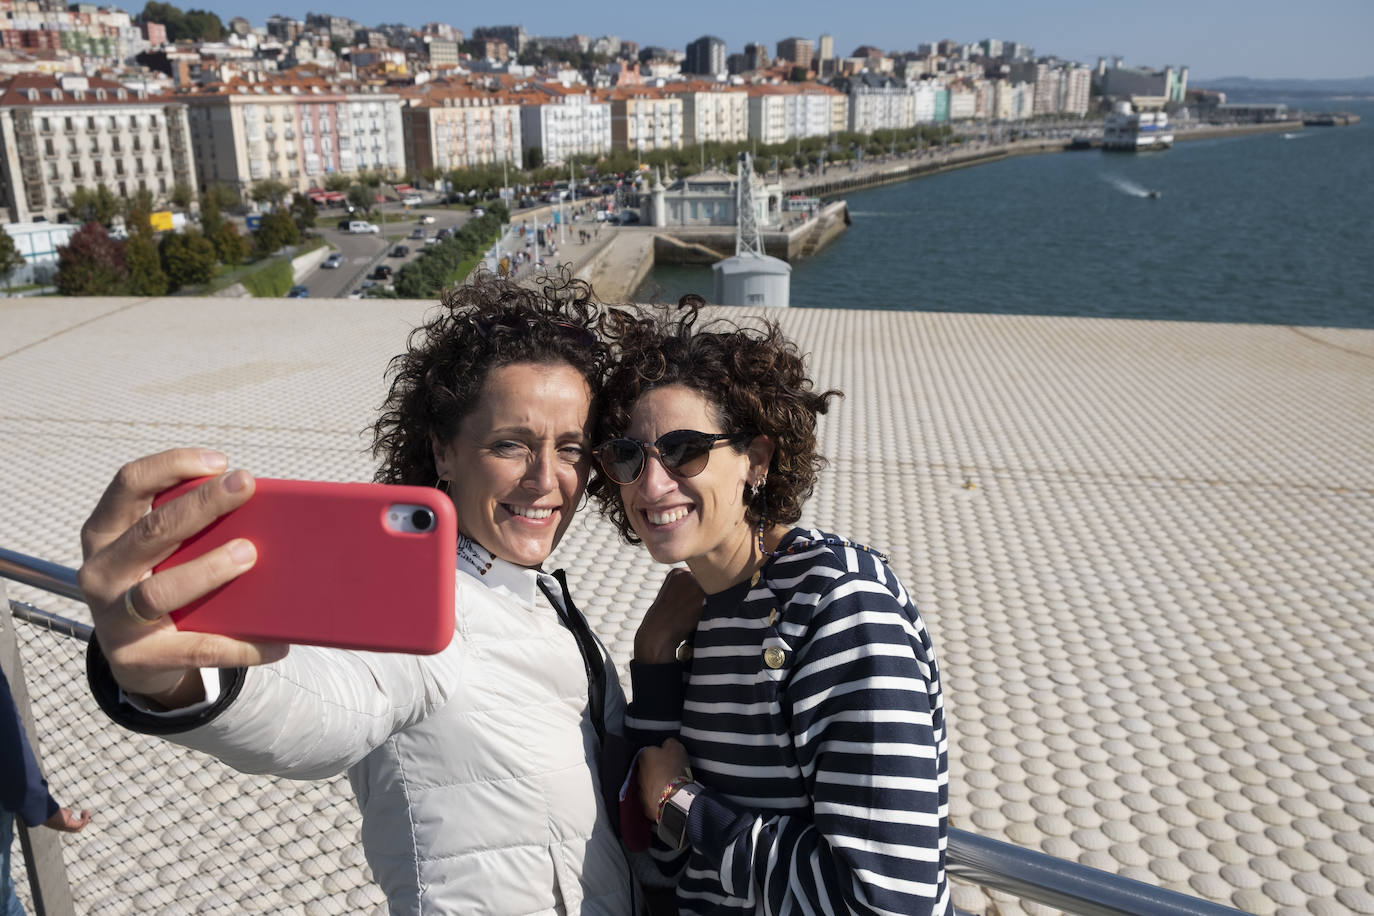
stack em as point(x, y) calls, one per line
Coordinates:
point(1273, 228)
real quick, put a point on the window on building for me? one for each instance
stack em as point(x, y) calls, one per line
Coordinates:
point(90, 122)
point(158, 164)
point(48, 148)
point(123, 189)
point(43, 125)
point(67, 122)
point(71, 146)
point(52, 171)
point(119, 167)
point(138, 166)
point(115, 145)
point(157, 142)
point(162, 186)
point(138, 144)
point(99, 168)
point(114, 123)
point(152, 121)
point(76, 171)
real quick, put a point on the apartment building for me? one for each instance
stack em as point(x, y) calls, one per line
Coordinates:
point(60, 133)
point(779, 112)
point(712, 112)
point(295, 131)
point(879, 102)
point(458, 127)
point(562, 121)
point(644, 118)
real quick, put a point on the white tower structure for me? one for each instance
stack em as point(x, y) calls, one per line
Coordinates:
point(750, 277)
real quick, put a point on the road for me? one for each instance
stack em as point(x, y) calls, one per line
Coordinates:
point(362, 253)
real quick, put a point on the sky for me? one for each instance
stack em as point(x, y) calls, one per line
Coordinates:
point(1214, 38)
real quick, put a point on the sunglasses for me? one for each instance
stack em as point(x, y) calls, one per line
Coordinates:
point(682, 452)
point(507, 323)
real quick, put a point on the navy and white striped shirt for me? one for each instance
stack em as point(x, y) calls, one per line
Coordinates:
point(812, 714)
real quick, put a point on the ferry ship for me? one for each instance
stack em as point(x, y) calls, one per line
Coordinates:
point(1136, 131)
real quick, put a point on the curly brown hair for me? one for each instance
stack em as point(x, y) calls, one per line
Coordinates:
point(753, 377)
point(483, 325)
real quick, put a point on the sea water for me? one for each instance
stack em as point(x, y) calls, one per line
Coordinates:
point(1271, 228)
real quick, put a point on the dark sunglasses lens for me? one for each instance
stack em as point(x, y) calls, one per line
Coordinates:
point(685, 452)
point(622, 459)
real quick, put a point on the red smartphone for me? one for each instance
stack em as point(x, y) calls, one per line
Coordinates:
point(348, 565)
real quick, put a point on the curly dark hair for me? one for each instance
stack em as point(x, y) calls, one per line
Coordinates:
point(483, 325)
point(753, 377)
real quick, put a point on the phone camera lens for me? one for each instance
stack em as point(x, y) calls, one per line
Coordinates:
point(422, 519)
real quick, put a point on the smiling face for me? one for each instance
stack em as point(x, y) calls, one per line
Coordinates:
point(518, 465)
point(698, 520)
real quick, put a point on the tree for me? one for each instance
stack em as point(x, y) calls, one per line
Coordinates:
point(432, 174)
point(144, 263)
point(188, 258)
point(231, 247)
point(534, 158)
point(181, 195)
point(138, 211)
point(91, 263)
point(269, 190)
point(220, 195)
point(337, 183)
point(303, 212)
point(10, 258)
point(361, 198)
point(99, 205)
point(276, 231)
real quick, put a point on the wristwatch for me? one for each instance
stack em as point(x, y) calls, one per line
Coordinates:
point(672, 824)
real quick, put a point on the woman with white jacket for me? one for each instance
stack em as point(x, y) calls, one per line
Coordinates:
point(477, 769)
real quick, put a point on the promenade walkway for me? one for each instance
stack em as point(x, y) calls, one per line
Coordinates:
point(1144, 550)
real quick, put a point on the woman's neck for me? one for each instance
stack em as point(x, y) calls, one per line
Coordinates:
point(735, 561)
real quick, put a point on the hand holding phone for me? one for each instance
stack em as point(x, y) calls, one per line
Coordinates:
point(348, 565)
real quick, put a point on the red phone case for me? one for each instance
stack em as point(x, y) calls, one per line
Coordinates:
point(329, 570)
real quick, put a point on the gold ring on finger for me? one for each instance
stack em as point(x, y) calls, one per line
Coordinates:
point(131, 610)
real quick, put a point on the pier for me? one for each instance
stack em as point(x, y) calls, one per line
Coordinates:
point(1142, 548)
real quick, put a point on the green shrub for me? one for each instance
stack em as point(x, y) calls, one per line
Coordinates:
point(271, 281)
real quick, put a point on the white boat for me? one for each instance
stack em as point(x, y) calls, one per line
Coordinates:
point(1136, 131)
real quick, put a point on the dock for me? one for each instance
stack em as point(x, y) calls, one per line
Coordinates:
point(1143, 550)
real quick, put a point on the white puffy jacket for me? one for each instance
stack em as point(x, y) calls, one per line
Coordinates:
point(474, 769)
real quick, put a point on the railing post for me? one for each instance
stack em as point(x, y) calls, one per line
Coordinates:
point(52, 896)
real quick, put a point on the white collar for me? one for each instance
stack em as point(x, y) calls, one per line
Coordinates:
point(521, 582)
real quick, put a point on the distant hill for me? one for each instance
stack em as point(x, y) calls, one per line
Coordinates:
point(1244, 86)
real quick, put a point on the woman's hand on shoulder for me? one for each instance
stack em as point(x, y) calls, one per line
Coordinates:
point(123, 540)
point(670, 619)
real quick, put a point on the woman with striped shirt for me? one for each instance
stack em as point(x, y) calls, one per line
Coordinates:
point(795, 750)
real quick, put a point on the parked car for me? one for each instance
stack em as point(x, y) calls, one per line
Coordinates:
point(479, 211)
point(400, 251)
point(443, 233)
point(426, 219)
point(345, 224)
point(382, 272)
point(433, 240)
point(334, 260)
point(298, 292)
point(411, 200)
point(418, 232)
point(362, 227)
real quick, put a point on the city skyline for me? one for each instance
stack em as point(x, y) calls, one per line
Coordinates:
point(1262, 39)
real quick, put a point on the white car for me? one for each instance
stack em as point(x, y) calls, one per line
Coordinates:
point(479, 211)
point(362, 227)
point(334, 260)
point(411, 200)
point(426, 219)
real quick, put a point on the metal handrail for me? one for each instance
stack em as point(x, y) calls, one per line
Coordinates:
point(1026, 873)
point(1066, 885)
point(51, 577)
